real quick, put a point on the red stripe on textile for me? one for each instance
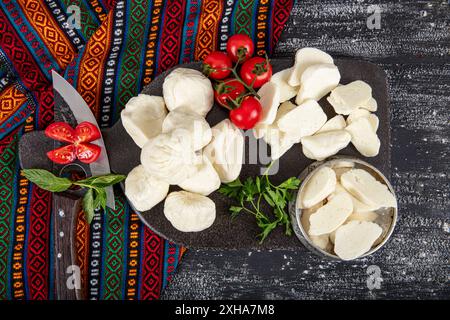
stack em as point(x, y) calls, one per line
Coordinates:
point(280, 15)
point(169, 51)
point(24, 64)
point(38, 264)
point(152, 265)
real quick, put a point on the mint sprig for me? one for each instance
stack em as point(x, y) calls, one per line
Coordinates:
point(94, 198)
point(253, 192)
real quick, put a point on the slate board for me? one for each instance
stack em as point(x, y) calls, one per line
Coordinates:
point(412, 46)
point(241, 233)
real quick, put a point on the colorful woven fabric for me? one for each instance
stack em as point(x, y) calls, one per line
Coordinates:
point(119, 48)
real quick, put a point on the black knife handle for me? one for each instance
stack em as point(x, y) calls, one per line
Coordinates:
point(68, 279)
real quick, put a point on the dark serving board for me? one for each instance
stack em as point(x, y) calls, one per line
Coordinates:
point(240, 233)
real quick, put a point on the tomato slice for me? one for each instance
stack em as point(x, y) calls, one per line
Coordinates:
point(86, 132)
point(60, 131)
point(63, 155)
point(87, 152)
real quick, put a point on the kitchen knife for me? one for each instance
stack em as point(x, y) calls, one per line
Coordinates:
point(70, 107)
point(81, 112)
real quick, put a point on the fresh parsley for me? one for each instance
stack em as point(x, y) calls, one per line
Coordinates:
point(94, 198)
point(250, 196)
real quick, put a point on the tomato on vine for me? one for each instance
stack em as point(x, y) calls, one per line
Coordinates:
point(227, 91)
point(248, 114)
point(256, 71)
point(240, 47)
point(217, 65)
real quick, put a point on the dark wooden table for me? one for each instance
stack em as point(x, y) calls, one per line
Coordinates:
point(413, 47)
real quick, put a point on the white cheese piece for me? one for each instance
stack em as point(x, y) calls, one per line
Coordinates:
point(280, 79)
point(303, 120)
point(269, 95)
point(205, 181)
point(350, 97)
point(333, 214)
point(280, 142)
point(369, 216)
point(305, 58)
point(341, 167)
point(306, 213)
point(259, 130)
point(358, 206)
point(142, 117)
point(363, 137)
point(190, 124)
point(169, 157)
point(370, 105)
point(364, 187)
point(355, 238)
point(335, 123)
point(318, 187)
point(340, 171)
point(226, 150)
point(322, 241)
point(323, 145)
point(143, 190)
point(343, 164)
point(363, 113)
point(189, 212)
point(184, 87)
point(317, 81)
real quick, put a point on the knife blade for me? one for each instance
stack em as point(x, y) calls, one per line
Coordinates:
point(81, 112)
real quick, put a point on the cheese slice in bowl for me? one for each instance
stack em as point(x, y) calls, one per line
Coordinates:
point(363, 186)
point(355, 238)
point(329, 217)
point(318, 187)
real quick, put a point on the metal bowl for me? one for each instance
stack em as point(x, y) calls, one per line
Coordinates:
point(388, 215)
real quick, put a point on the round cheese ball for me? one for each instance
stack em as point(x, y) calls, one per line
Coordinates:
point(188, 88)
point(189, 212)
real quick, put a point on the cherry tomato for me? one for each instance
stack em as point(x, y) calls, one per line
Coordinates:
point(60, 131)
point(256, 71)
point(87, 152)
point(86, 132)
point(240, 47)
point(228, 90)
point(79, 139)
point(63, 155)
point(216, 65)
point(248, 114)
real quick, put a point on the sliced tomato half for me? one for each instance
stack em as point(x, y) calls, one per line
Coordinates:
point(86, 132)
point(87, 152)
point(63, 155)
point(60, 131)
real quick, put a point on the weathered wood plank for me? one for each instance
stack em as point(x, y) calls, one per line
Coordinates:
point(413, 46)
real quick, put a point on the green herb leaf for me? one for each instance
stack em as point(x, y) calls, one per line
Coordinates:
point(100, 198)
point(47, 180)
point(88, 205)
point(101, 181)
point(235, 211)
point(250, 194)
point(268, 200)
